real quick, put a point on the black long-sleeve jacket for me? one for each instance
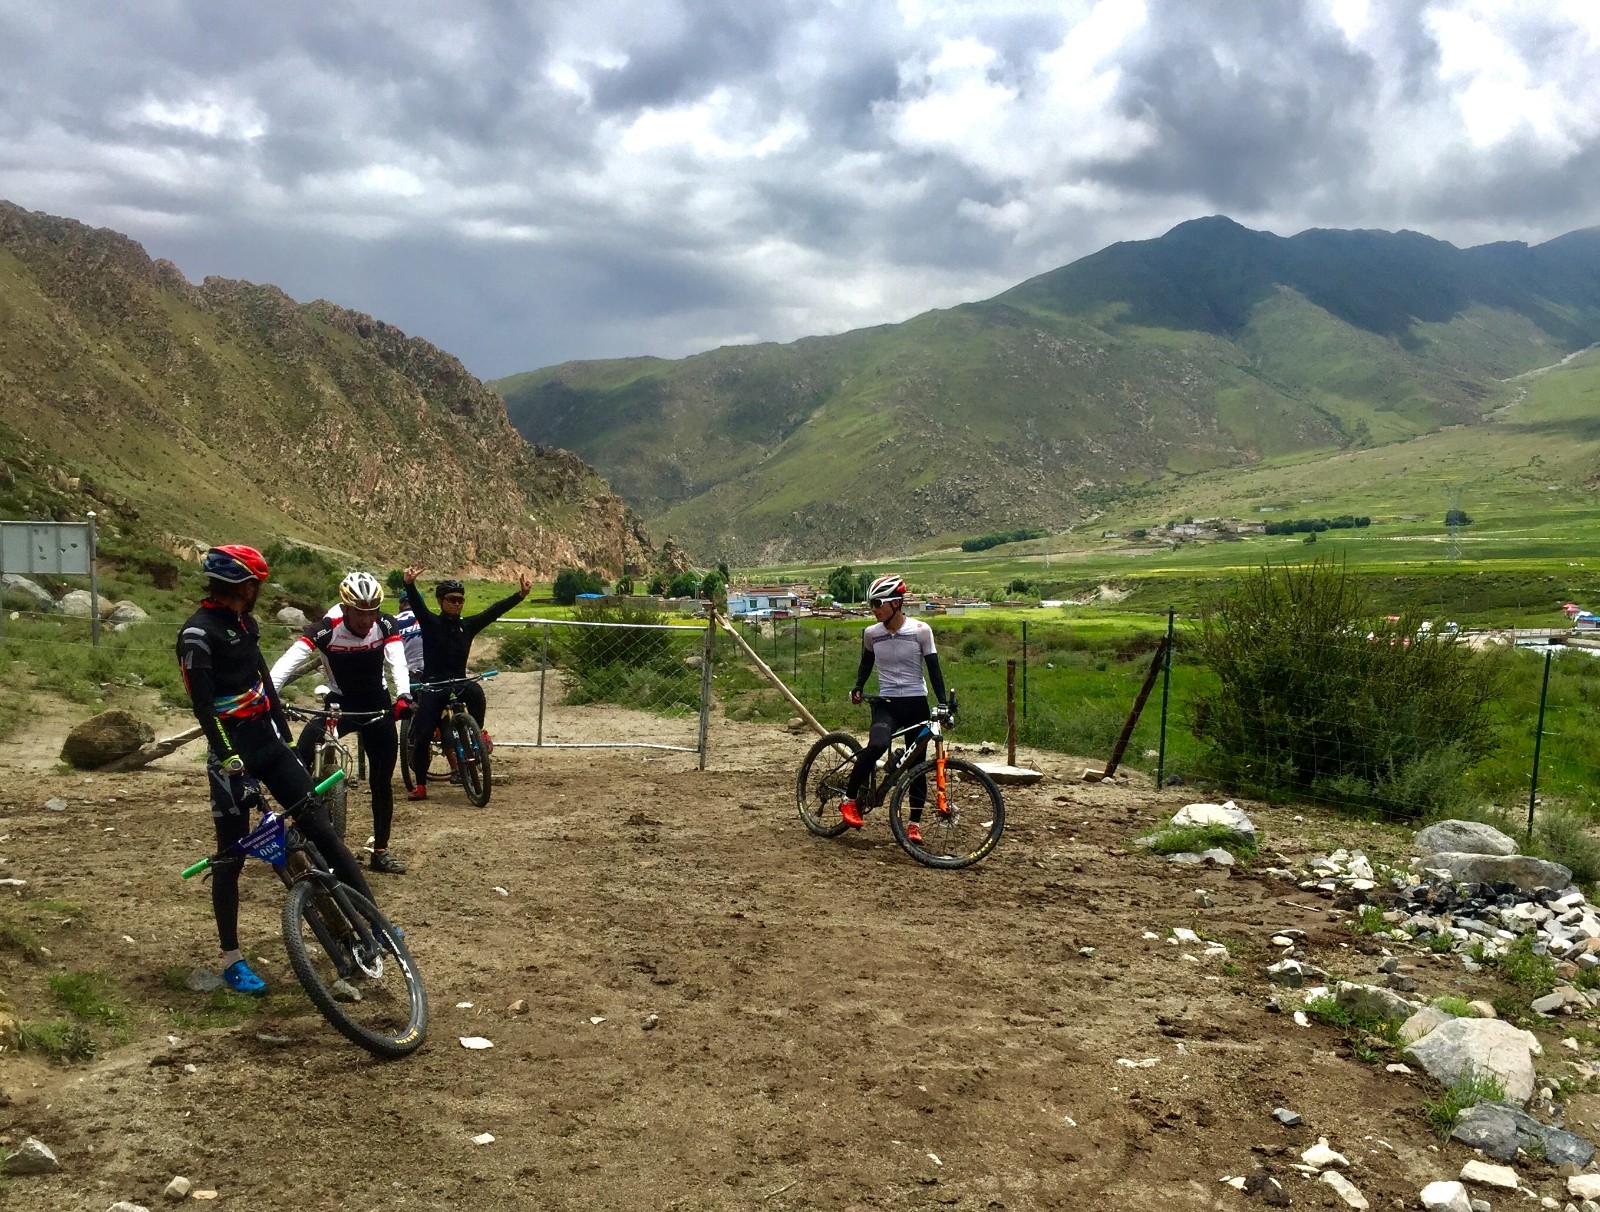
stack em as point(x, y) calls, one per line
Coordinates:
point(447, 641)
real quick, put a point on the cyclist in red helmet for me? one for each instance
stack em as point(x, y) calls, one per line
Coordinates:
point(898, 647)
point(231, 690)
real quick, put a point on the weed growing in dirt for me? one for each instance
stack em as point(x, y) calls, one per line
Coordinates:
point(60, 1039)
point(1468, 1090)
point(1371, 1036)
point(14, 936)
point(1533, 974)
point(1440, 944)
point(1452, 1003)
point(1369, 920)
point(55, 906)
point(87, 997)
point(1183, 839)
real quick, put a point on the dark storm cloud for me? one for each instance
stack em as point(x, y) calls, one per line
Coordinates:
point(525, 182)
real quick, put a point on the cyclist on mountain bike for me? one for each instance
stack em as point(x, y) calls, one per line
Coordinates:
point(898, 646)
point(237, 704)
point(446, 641)
point(354, 646)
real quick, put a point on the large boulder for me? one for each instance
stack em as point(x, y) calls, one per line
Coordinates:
point(292, 616)
point(1500, 1129)
point(104, 738)
point(1481, 1045)
point(1462, 837)
point(1228, 815)
point(79, 604)
point(1527, 873)
point(30, 595)
point(127, 612)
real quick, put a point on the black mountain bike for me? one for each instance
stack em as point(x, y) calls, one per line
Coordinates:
point(458, 735)
point(351, 960)
point(331, 753)
point(957, 827)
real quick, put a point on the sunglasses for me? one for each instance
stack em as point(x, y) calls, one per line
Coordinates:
point(454, 597)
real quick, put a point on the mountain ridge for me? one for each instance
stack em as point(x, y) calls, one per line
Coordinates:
point(1209, 347)
point(230, 409)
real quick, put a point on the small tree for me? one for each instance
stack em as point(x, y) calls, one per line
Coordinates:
point(842, 583)
point(1457, 517)
point(570, 582)
point(396, 580)
point(712, 585)
point(623, 587)
point(1313, 699)
point(684, 585)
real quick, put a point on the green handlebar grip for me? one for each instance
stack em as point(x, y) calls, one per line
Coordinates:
point(197, 868)
point(330, 781)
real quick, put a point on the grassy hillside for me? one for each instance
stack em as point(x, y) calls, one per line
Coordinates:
point(1212, 347)
point(185, 414)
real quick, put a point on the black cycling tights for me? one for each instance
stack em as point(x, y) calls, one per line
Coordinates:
point(382, 744)
point(430, 707)
point(889, 716)
point(269, 759)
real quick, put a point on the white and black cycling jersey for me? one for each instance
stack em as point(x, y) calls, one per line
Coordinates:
point(898, 656)
point(353, 665)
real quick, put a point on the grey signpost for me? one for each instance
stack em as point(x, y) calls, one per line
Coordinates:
point(63, 549)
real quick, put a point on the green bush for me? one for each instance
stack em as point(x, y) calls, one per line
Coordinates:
point(570, 582)
point(1316, 700)
point(627, 665)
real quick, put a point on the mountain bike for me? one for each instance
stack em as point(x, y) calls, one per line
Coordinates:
point(962, 820)
point(459, 737)
point(333, 754)
point(352, 961)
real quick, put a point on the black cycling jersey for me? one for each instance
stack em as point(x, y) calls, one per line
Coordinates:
point(354, 663)
point(219, 653)
point(447, 641)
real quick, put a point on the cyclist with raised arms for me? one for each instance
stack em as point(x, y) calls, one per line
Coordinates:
point(354, 644)
point(898, 647)
point(446, 642)
point(236, 703)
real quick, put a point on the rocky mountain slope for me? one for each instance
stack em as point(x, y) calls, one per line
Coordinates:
point(189, 414)
point(1213, 346)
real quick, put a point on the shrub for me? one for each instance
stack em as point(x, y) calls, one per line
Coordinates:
point(1471, 1088)
point(1313, 701)
point(628, 665)
point(570, 582)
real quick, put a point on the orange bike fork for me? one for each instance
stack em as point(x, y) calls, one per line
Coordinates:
point(942, 802)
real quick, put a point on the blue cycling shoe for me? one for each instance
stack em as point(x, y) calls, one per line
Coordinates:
point(238, 977)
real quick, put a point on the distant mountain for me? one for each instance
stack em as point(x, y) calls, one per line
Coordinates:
point(1212, 346)
point(227, 411)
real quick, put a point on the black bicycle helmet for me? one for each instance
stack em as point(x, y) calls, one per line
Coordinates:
point(444, 588)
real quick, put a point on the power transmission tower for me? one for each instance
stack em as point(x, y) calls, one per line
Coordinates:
point(1452, 521)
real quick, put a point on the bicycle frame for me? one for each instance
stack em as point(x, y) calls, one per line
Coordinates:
point(913, 751)
point(270, 840)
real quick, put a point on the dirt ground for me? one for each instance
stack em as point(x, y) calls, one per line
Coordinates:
point(836, 1027)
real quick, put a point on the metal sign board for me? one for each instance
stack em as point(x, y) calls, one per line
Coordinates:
point(62, 548)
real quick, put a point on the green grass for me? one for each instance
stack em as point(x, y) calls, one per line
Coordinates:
point(198, 1011)
point(14, 936)
point(59, 1039)
point(1452, 1003)
point(1185, 839)
point(1369, 920)
point(87, 997)
point(1372, 1037)
point(1468, 1090)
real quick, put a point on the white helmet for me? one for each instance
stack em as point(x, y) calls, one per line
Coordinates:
point(887, 588)
point(361, 590)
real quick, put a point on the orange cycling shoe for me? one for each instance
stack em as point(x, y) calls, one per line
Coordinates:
point(851, 814)
point(419, 792)
point(914, 833)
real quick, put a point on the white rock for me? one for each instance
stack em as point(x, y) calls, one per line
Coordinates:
point(1584, 1186)
point(127, 1205)
point(1446, 1197)
point(483, 1138)
point(476, 1042)
point(1227, 815)
point(32, 1156)
point(1185, 935)
point(1487, 1045)
point(1346, 1190)
point(1490, 1175)
point(1321, 1156)
point(178, 1187)
point(1397, 1067)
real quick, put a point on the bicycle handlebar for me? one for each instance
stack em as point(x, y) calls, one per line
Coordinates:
point(307, 713)
point(332, 780)
point(444, 683)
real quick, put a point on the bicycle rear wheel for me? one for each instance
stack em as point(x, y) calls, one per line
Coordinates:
point(969, 827)
point(366, 984)
point(474, 762)
point(821, 786)
point(405, 755)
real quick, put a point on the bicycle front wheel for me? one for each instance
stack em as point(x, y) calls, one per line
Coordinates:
point(958, 833)
point(823, 782)
point(475, 778)
point(337, 797)
point(355, 967)
point(405, 755)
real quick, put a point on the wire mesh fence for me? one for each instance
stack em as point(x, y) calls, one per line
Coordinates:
point(1377, 747)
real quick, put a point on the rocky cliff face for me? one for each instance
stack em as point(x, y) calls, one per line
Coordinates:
point(229, 411)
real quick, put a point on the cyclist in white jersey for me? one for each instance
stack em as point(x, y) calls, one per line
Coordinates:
point(898, 647)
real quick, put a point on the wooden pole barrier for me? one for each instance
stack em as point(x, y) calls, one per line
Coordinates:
point(149, 753)
point(1093, 776)
point(1011, 712)
point(766, 671)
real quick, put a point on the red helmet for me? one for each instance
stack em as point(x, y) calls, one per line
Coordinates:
point(235, 563)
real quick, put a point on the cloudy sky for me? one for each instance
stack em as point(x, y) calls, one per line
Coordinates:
point(527, 181)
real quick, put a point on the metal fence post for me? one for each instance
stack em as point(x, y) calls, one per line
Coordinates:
point(544, 663)
point(94, 587)
point(1024, 668)
point(822, 688)
point(1166, 689)
point(794, 669)
point(1538, 737)
point(705, 681)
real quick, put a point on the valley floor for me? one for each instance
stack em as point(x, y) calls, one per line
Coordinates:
point(836, 1027)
